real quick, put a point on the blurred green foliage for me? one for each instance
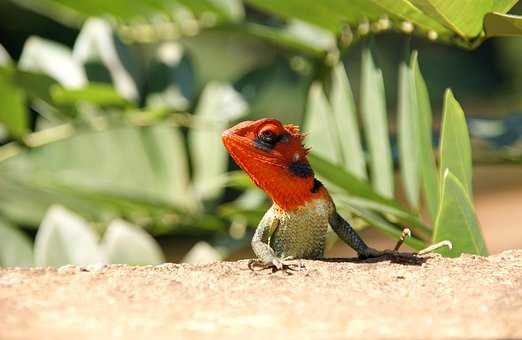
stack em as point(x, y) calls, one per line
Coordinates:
point(111, 118)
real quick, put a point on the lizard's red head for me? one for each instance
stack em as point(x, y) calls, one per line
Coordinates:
point(273, 155)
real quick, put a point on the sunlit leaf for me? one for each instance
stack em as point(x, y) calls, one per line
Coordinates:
point(463, 17)
point(407, 126)
point(455, 148)
point(343, 107)
point(202, 253)
point(5, 58)
point(126, 243)
point(97, 41)
point(320, 126)
point(218, 105)
point(373, 112)
point(15, 248)
point(423, 138)
point(65, 238)
point(53, 59)
point(456, 220)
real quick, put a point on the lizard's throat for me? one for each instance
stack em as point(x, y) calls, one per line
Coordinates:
point(286, 190)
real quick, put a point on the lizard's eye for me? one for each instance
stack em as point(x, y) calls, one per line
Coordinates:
point(268, 136)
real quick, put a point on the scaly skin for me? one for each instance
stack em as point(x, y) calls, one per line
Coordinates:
point(295, 226)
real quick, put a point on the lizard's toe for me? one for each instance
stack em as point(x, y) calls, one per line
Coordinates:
point(276, 264)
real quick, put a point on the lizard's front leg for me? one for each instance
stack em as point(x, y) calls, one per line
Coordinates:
point(267, 257)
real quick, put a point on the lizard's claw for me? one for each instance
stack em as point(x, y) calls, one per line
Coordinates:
point(275, 264)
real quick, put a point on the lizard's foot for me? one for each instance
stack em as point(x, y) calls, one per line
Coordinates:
point(275, 264)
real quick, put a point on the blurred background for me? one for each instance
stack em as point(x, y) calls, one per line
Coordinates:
point(111, 114)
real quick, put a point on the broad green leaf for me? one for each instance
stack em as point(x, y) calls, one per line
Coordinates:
point(95, 93)
point(284, 38)
point(333, 15)
point(73, 12)
point(13, 110)
point(54, 60)
point(423, 138)
point(343, 107)
point(407, 127)
point(455, 148)
point(503, 6)
point(464, 17)
point(320, 126)
point(126, 243)
point(355, 187)
point(218, 105)
point(15, 248)
point(405, 10)
point(380, 223)
point(97, 41)
point(456, 220)
point(315, 12)
point(123, 170)
point(373, 111)
point(502, 25)
point(65, 238)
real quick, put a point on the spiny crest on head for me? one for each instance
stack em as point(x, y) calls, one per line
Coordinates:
point(295, 132)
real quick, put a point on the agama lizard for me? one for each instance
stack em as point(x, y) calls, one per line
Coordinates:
point(295, 226)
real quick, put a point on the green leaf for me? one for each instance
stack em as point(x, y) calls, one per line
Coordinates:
point(97, 41)
point(373, 110)
point(283, 37)
point(123, 170)
point(456, 220)
point(502, 25)
point(315, 12)
point(408, 148)
point(99, 94)
point(72, 12)
point(405, 10)
point(13, 110)
point(320, 126)
point(464, 17)
point(15, 247)
point(380, 223)
point(357, 188)
point(54, 60)
point(503, 6)
point(126, 243)
point(343, 107)
point(5, 58)
point(218, 105)
point(423, 138)
point(65, 238)
point(455, 148)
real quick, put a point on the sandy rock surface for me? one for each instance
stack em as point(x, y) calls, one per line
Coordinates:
point(392, 297)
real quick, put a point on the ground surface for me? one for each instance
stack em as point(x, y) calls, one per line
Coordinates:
point(437, 297)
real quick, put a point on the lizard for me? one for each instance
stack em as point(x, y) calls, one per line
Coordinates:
point(295, 226)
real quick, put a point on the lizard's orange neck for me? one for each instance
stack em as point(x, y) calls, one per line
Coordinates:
point(275, 161)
